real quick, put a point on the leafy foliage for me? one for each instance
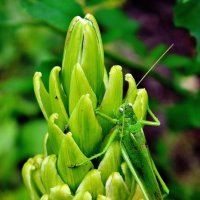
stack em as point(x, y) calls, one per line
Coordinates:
point(186, 14)
point(119, 25)
point(187, 113)
point(56, 13)
point(33, 40)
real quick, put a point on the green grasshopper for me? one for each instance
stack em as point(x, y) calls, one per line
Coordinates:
point(135, 151)
point(129, 131)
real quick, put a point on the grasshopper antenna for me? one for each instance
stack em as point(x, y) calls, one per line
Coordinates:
point(155, 64)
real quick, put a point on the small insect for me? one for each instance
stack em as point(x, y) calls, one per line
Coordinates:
point(135, 150)
point(129, 130)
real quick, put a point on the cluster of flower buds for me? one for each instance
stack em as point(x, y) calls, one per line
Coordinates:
point(75, 132)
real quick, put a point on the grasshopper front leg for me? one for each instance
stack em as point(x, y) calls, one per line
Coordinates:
point(113, 121)
point(156, 122)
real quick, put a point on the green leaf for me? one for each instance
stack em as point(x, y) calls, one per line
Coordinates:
point(8, 166)
point(14, 194)
point(185, 114)
point(181, 64)
point(56, 13)
point(31, 138)
point(117, 21)
point(8, 135)
point(8, 152)
point(24, 106)
point(187, 15)
point(17, 85)
point(154, 55)
point(117, 25)
point(174, 61)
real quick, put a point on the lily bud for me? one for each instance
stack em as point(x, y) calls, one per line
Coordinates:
point(83, 45)
point(111, 161)
point(60, 192)
point(87, 196)
point(92, 183)
point(129, 178)
point(102, 197)
point(132, 89)
point(85, 127)
point(79, 86)
point(32, 179)
point(138, 193)
point(57, 97)
point(49, 173)
point(116, 187)
point(45, 197)
point(140, 104)
point(112, 98)
point(68, 157)
point(42, 95)
point(55, 135)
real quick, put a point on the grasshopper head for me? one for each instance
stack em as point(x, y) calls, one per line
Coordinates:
point(126, 111)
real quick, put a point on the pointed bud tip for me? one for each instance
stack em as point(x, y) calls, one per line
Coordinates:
point(115, 68)
point(53, 117)
point(128, 76)
point(57, 69)
point(37, 75)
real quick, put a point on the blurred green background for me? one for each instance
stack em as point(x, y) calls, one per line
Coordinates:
point(135, 33)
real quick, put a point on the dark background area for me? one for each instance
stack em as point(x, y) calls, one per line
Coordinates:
point(135, 34)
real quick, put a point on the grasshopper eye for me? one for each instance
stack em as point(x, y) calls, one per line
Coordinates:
point(121, 110)
point(130, 104)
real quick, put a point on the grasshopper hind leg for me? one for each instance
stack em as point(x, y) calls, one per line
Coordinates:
point(161, 182)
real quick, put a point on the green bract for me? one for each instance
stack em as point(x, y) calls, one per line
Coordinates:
point(75, 133)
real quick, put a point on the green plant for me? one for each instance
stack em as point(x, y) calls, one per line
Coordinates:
point(75, 132)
